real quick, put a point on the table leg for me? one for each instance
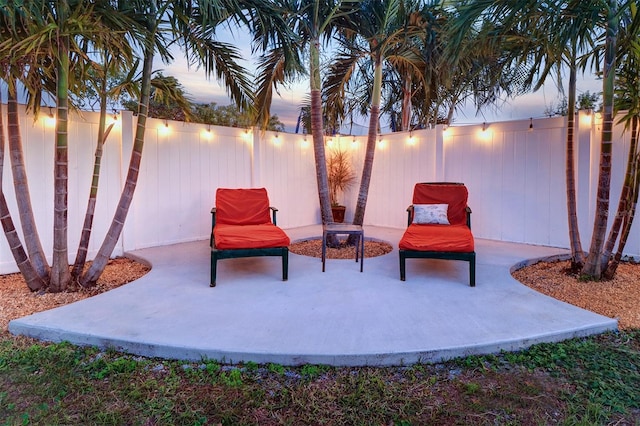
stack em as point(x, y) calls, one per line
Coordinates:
point(361, 251)
point(324, 248)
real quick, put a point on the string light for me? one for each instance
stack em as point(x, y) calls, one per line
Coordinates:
point(486, 133)
point(50, 121)
point(247, 135)
point(164, 130)
point(411, 140)
point(207, 132)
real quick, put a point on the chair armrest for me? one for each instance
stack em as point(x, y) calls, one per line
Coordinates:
point(213, 225)
point(409, 214)
point(213, 217)
point(273, 213)
point(468, 210)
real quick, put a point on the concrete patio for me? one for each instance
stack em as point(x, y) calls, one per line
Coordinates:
point(340, 317)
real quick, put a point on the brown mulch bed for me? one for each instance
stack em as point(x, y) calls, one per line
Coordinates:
point(313, 248)
point(616, 298)
point(16, 300)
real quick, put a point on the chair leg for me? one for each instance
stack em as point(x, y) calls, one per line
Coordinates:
point(285, 264)
point(214, 267)
point(402, 267)
point(472, 271)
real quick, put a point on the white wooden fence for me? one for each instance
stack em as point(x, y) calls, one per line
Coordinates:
point(515, 176)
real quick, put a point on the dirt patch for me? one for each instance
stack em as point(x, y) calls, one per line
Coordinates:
point(616, 298)
point(313, 248)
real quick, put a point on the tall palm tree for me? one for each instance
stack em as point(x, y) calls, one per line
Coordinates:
point(596, 262)
point(379, 32)
point(110, 64)
point(148, 46)
point(61, 50)
point(314, 22)
point(21, 185)
point(25, 266)
point(51, 33)
point(627, 99)
point(50, 41)
point(15, 22)
point(552, 34)
point(192, 25)
point(576, 34)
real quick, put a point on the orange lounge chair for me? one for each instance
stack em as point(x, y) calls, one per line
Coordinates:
point(439, 226)
point(242, 227)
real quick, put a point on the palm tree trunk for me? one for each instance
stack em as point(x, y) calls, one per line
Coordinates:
point(374, 119)
point(85, 236)
point(31, 277)
point(60, 275)
point(596, 262)
point(624, 203)
point(624, 234)
point(126, 197)
point(406, 103)
point(21, 185)
point(318, 133)
point(632, 202)
point(577, 255)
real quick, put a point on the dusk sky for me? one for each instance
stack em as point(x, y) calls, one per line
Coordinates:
point(287, 106)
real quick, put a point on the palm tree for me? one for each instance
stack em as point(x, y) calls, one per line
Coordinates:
point(627, 98)
point(595, 262)
point(314, 22)
point(151, 29)
point(350, 83)
point(61, 50)
point(50, 40)
point(38, 51)
point(192, 25)
point(552, 33)
point(377, 32)
point(100, 84)
point(15, 68)
point(25, 266)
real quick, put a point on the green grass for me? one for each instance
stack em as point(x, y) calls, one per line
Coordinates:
point(587, 381)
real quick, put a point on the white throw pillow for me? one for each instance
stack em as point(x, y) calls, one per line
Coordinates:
point(430, 214)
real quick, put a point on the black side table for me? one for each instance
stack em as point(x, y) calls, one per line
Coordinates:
point(343, 229)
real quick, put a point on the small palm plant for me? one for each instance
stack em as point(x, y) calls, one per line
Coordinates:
point(340, 174)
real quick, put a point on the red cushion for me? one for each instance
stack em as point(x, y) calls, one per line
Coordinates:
point(242, 206)
point(249, 236)
point(453, 195)
point(453, 238)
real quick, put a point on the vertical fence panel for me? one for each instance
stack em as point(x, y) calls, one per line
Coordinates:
point(287, 170)
point(401, 160)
